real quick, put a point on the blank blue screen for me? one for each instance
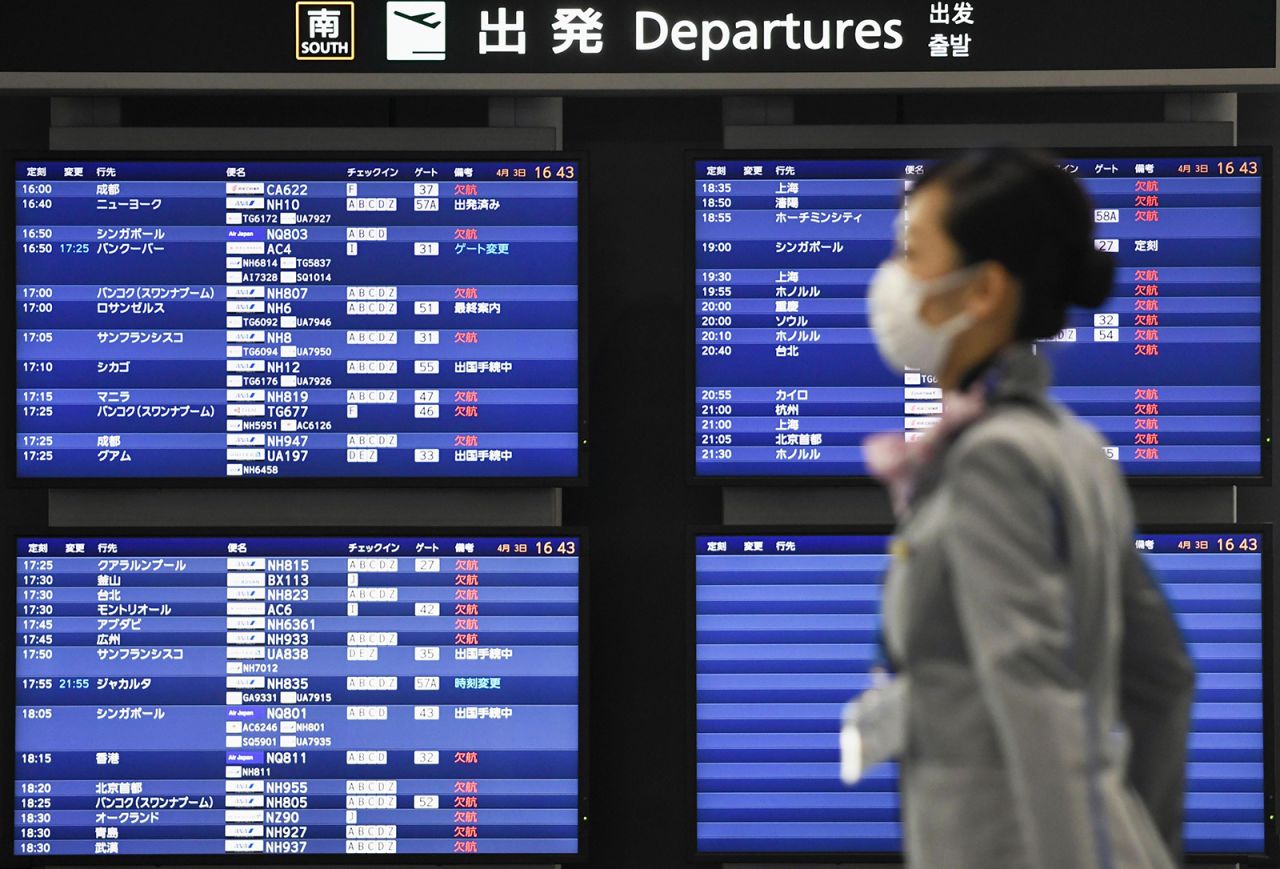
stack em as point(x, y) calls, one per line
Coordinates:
point(786, 634)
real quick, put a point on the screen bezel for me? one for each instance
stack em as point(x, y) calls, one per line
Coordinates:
point(1270, 666)
point(1264, 154)
point(8, 266)
point(8, 725)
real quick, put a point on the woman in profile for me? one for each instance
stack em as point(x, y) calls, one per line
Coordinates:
point(1041, 693)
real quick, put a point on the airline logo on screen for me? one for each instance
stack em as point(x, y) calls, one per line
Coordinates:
point(415, 30)
point(324, 30)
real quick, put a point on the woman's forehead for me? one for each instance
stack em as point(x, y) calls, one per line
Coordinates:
point(924, 205)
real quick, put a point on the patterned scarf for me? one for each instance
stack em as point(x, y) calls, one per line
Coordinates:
point(898, 463)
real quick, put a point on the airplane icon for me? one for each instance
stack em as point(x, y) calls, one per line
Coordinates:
point(406, 40)
point(420, 19)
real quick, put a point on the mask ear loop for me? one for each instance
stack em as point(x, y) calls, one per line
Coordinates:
point(950, 281)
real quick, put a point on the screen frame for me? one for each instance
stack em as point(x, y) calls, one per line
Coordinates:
point(9, 685)
point(1265, 154)
point(1270, 667)
point(8, 321)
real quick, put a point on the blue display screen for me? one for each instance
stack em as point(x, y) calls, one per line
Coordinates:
point(787, 630)
point(302, 695)
point(339, 319)
point(788, 379)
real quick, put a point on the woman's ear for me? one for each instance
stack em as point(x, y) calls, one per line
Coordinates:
point(994, 293)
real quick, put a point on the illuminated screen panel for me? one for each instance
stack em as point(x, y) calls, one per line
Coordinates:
point(299, 695)
point(353, 318)
point(789, 383)
point(787, 629)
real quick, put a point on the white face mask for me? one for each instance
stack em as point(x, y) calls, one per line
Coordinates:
point(904, 340)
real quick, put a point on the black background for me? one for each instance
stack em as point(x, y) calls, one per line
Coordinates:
point(258, 36)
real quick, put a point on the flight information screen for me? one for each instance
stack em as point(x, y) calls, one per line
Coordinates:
point(787, 630)
point(358, 318)
point(299, 695)
point(788, 379)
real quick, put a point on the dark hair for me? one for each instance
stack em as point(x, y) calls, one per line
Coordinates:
point(1019, 209)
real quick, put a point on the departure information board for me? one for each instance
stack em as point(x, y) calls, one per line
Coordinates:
point(788, 627)
point(299, 695)
point(788, 380)
point(354, 318)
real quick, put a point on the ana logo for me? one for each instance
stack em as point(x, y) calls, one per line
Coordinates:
point(415, 30)
point(325, 30)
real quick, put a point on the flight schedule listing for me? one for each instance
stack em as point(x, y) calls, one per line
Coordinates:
point(273, 319)
point(295, 696)
point(788, 379)
point(788, 631)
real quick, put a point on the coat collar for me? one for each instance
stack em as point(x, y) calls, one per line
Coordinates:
point(1015, 373)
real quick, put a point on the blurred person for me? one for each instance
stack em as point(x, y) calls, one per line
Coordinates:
point(1040, 694)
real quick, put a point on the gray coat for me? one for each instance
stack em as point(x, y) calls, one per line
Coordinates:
point(1049, 689)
